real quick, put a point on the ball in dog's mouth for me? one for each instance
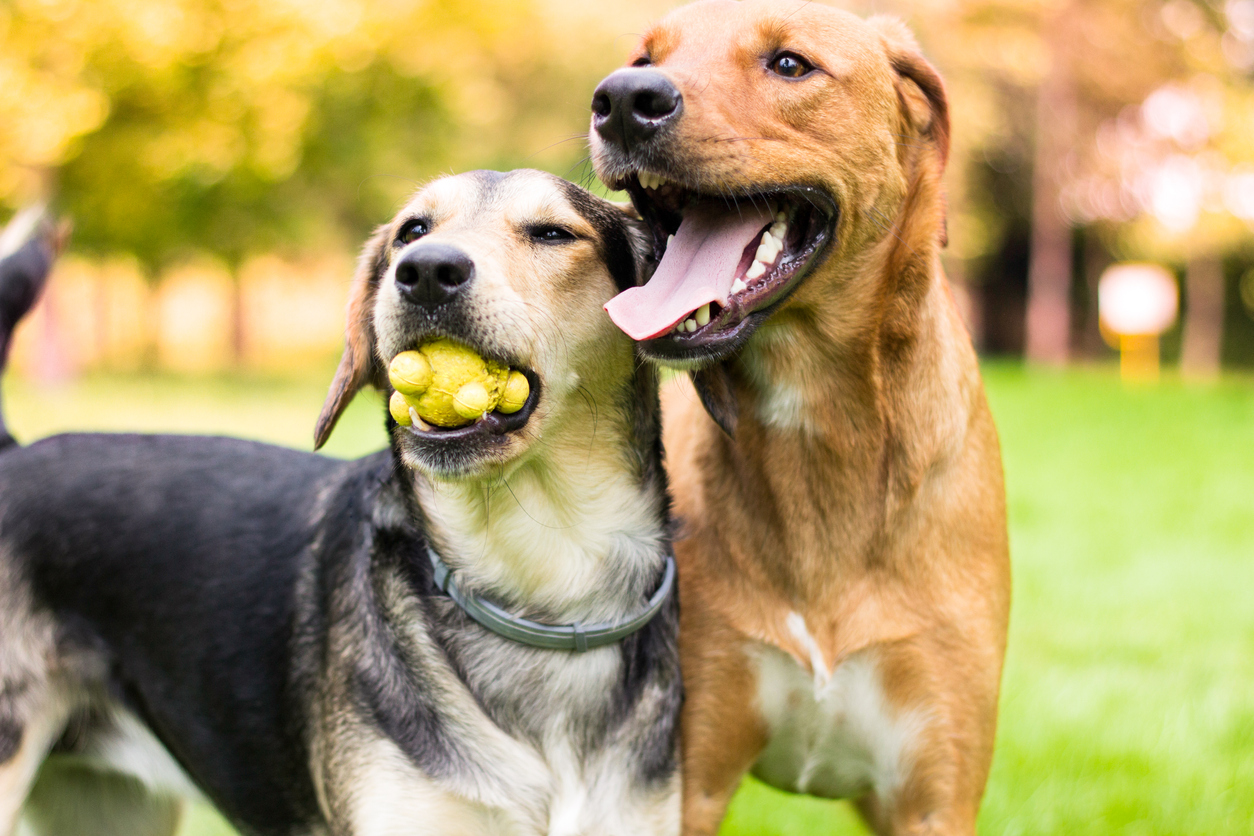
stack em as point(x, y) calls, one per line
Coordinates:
point(725, 261)
point(445, 391)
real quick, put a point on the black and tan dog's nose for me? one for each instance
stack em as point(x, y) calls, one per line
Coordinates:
point(632, 105)
point(432, 274)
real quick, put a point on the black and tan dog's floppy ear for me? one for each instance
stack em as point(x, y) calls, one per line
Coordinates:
point(360, 365)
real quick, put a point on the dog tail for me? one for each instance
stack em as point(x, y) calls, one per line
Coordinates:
point(28, 247)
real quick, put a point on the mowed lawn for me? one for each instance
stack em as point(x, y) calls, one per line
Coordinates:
point(1128, 701)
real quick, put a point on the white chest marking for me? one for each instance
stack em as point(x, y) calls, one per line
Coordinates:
point(782, 402)
point(831, 734)
point(553, 798)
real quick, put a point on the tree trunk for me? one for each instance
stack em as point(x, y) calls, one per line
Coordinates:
point(1089, 341)
point(239, 338)
point(1204, 319)
point(1049, 267)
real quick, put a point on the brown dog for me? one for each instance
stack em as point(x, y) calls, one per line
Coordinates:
point(844, 569)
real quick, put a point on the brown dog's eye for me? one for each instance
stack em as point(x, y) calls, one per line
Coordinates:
point(642, 62)
point(791, 66)
point(411, 232)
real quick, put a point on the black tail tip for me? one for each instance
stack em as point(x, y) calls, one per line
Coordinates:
point(29, 245)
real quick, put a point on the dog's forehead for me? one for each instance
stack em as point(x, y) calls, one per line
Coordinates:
point(514, 198)
point(711, 29)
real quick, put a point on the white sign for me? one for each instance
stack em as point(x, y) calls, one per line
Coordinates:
point(1138, 299)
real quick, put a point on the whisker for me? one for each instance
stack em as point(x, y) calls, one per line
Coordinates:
point(571, 138)
point(510, 488)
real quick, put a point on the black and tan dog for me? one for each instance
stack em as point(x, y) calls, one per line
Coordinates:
point(844, 570)
point(271, 628)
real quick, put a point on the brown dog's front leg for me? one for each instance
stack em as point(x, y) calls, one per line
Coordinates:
point(722, 732)
point(949, 764)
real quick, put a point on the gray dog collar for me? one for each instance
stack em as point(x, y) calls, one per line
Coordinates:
point(578, 637)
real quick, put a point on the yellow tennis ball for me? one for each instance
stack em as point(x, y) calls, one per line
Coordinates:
point(515, 394)
point(449, 385)
point(399, 407)
point(410, 373)
point(472, 400)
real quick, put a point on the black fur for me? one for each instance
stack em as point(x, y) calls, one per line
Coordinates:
point(717, 391)
point(190, 589)
point(10, 739)
point(621, 257)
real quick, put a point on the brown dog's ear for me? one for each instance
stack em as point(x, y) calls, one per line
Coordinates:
point(919, 87)
point(360, 365)
point(920, 91)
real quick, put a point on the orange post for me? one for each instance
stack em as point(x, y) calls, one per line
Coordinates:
point(1138, 358)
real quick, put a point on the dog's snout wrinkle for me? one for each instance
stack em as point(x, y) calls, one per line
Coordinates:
point(433, 274)
point(632, 106)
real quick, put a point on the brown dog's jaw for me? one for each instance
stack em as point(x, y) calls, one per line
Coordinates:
point(770, 240)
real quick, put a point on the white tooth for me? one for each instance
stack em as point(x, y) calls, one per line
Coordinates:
point(703, 315)
point(756, 270)
point(670, 239)
point(418, 422)
point(659, 181)
point(768, 249)
point(646, 179)
point(691, 325)
point(782, 218)
point(779, 231)
point(738, 286)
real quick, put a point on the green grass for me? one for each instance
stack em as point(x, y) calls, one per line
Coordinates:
point(1128, 701)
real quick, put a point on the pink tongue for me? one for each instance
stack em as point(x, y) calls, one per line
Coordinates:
point(699, 267)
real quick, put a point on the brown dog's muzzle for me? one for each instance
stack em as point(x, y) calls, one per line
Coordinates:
point(729, 253)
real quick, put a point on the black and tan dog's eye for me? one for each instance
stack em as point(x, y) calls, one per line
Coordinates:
point(789, 65)
point(551, 235)
point(411, 232)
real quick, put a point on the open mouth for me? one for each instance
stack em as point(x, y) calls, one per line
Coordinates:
point(725, 262)
point(491, 426)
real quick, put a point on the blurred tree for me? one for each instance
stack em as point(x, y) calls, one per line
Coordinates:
point(171, 127)
point(1102, 75)
point(232, 127)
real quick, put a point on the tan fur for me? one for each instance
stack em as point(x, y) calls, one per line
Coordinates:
point(863, 490)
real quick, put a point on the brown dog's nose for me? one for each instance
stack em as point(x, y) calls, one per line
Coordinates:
point(631, 105)
point(432, 274)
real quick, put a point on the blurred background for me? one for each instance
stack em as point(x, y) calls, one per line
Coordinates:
point(222, 160)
